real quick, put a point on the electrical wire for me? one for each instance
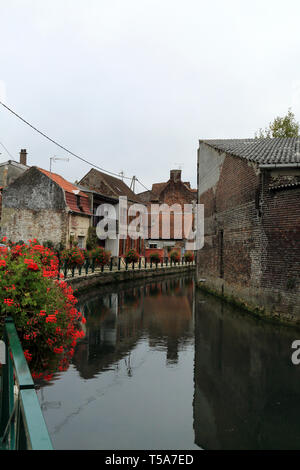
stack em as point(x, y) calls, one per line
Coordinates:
point(6, 150)
point(64, 148)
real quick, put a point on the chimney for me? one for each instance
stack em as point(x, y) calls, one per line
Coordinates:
point(175, 175)
point(23, 157)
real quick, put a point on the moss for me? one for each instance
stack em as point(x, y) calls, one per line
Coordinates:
point(259, 312)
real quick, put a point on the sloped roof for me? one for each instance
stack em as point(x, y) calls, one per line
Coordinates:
point(116, 185)
point(71, 192)
point(64, 184)
point(262, 151)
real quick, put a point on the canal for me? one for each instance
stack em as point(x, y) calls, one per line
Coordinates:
point(165, 366)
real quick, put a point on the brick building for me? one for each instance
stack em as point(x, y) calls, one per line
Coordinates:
point(43, 205)
point(250, 189)
point(104, 188)
point(173, 191)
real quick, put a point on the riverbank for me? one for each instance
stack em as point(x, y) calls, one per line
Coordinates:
point(85, 282)
point(264, 313)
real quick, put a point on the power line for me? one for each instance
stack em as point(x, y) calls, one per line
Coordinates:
point(61, 146)
point(6, 150)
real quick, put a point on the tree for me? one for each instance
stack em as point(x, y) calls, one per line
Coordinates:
point(285, 126)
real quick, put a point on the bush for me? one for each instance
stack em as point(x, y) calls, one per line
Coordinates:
point(155, 258)
point(189, 256)
point(43, 308)
point(92, 239)
point(101, 256)
point(131, 256)
point(73, 257)
point(175, 256)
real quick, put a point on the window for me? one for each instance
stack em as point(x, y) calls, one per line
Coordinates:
point(80, 242)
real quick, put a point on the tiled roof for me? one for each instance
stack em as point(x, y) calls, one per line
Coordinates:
point(112, 186)
point(76, 200)
point(262, 151)
point(64, 184)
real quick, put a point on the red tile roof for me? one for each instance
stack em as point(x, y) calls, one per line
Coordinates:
point(64, 184)
point(76, 200)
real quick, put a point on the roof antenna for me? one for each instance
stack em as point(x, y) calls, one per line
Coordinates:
point(132, 184)
point(121, 174)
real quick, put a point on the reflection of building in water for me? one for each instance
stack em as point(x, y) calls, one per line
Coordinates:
point(115, 322)
point(247, 393)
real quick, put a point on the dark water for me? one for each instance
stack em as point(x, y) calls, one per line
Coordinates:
point(164, 366)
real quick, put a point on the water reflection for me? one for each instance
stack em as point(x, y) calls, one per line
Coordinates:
point(165, 367)
point(130, 385)
point(247, 391)
point(116, 322)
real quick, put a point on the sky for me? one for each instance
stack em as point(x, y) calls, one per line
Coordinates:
point(132, 85)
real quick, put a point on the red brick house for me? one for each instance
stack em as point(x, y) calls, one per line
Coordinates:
point(250, 189)
point(173, 191)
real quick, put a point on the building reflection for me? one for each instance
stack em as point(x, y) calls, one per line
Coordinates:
point(160, 311)
point(247, 393)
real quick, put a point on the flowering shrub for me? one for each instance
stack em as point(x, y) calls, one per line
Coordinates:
point(189, 256)
point(43, 307)
point(175, 256)
point(100, 256)
point(73, 257)
point(154, 257)
point(131, 256)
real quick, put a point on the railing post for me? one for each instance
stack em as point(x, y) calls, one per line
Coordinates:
point(140, 261)
point(145, 262)
point(119, 263)
point(111, 263)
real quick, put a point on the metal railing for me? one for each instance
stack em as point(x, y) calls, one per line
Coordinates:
point(120, 264)
point(22, 425)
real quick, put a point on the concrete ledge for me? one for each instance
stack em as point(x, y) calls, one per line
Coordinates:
point(81, 283)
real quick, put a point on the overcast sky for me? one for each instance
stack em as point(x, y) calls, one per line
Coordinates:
point(133, 84)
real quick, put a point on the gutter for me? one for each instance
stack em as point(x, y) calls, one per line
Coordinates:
point(269, 166)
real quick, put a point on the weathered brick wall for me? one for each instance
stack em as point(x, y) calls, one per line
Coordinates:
point(281, 225)
point(252, 233)
point(230, 206)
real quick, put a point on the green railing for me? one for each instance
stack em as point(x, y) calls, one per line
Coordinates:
point(22, 424)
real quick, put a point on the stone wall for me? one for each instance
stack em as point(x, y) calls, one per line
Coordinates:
point(34, 207)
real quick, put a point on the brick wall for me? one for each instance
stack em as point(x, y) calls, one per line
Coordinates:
point(252, 233)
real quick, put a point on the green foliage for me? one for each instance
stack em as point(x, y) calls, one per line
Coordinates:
point(131, 256)
point(43, 307)
point(73, 257)
point(155, 257)
point(92, 239)
point(189, 256)
point(175, 256)
point(285, 126)
point(101, 256)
